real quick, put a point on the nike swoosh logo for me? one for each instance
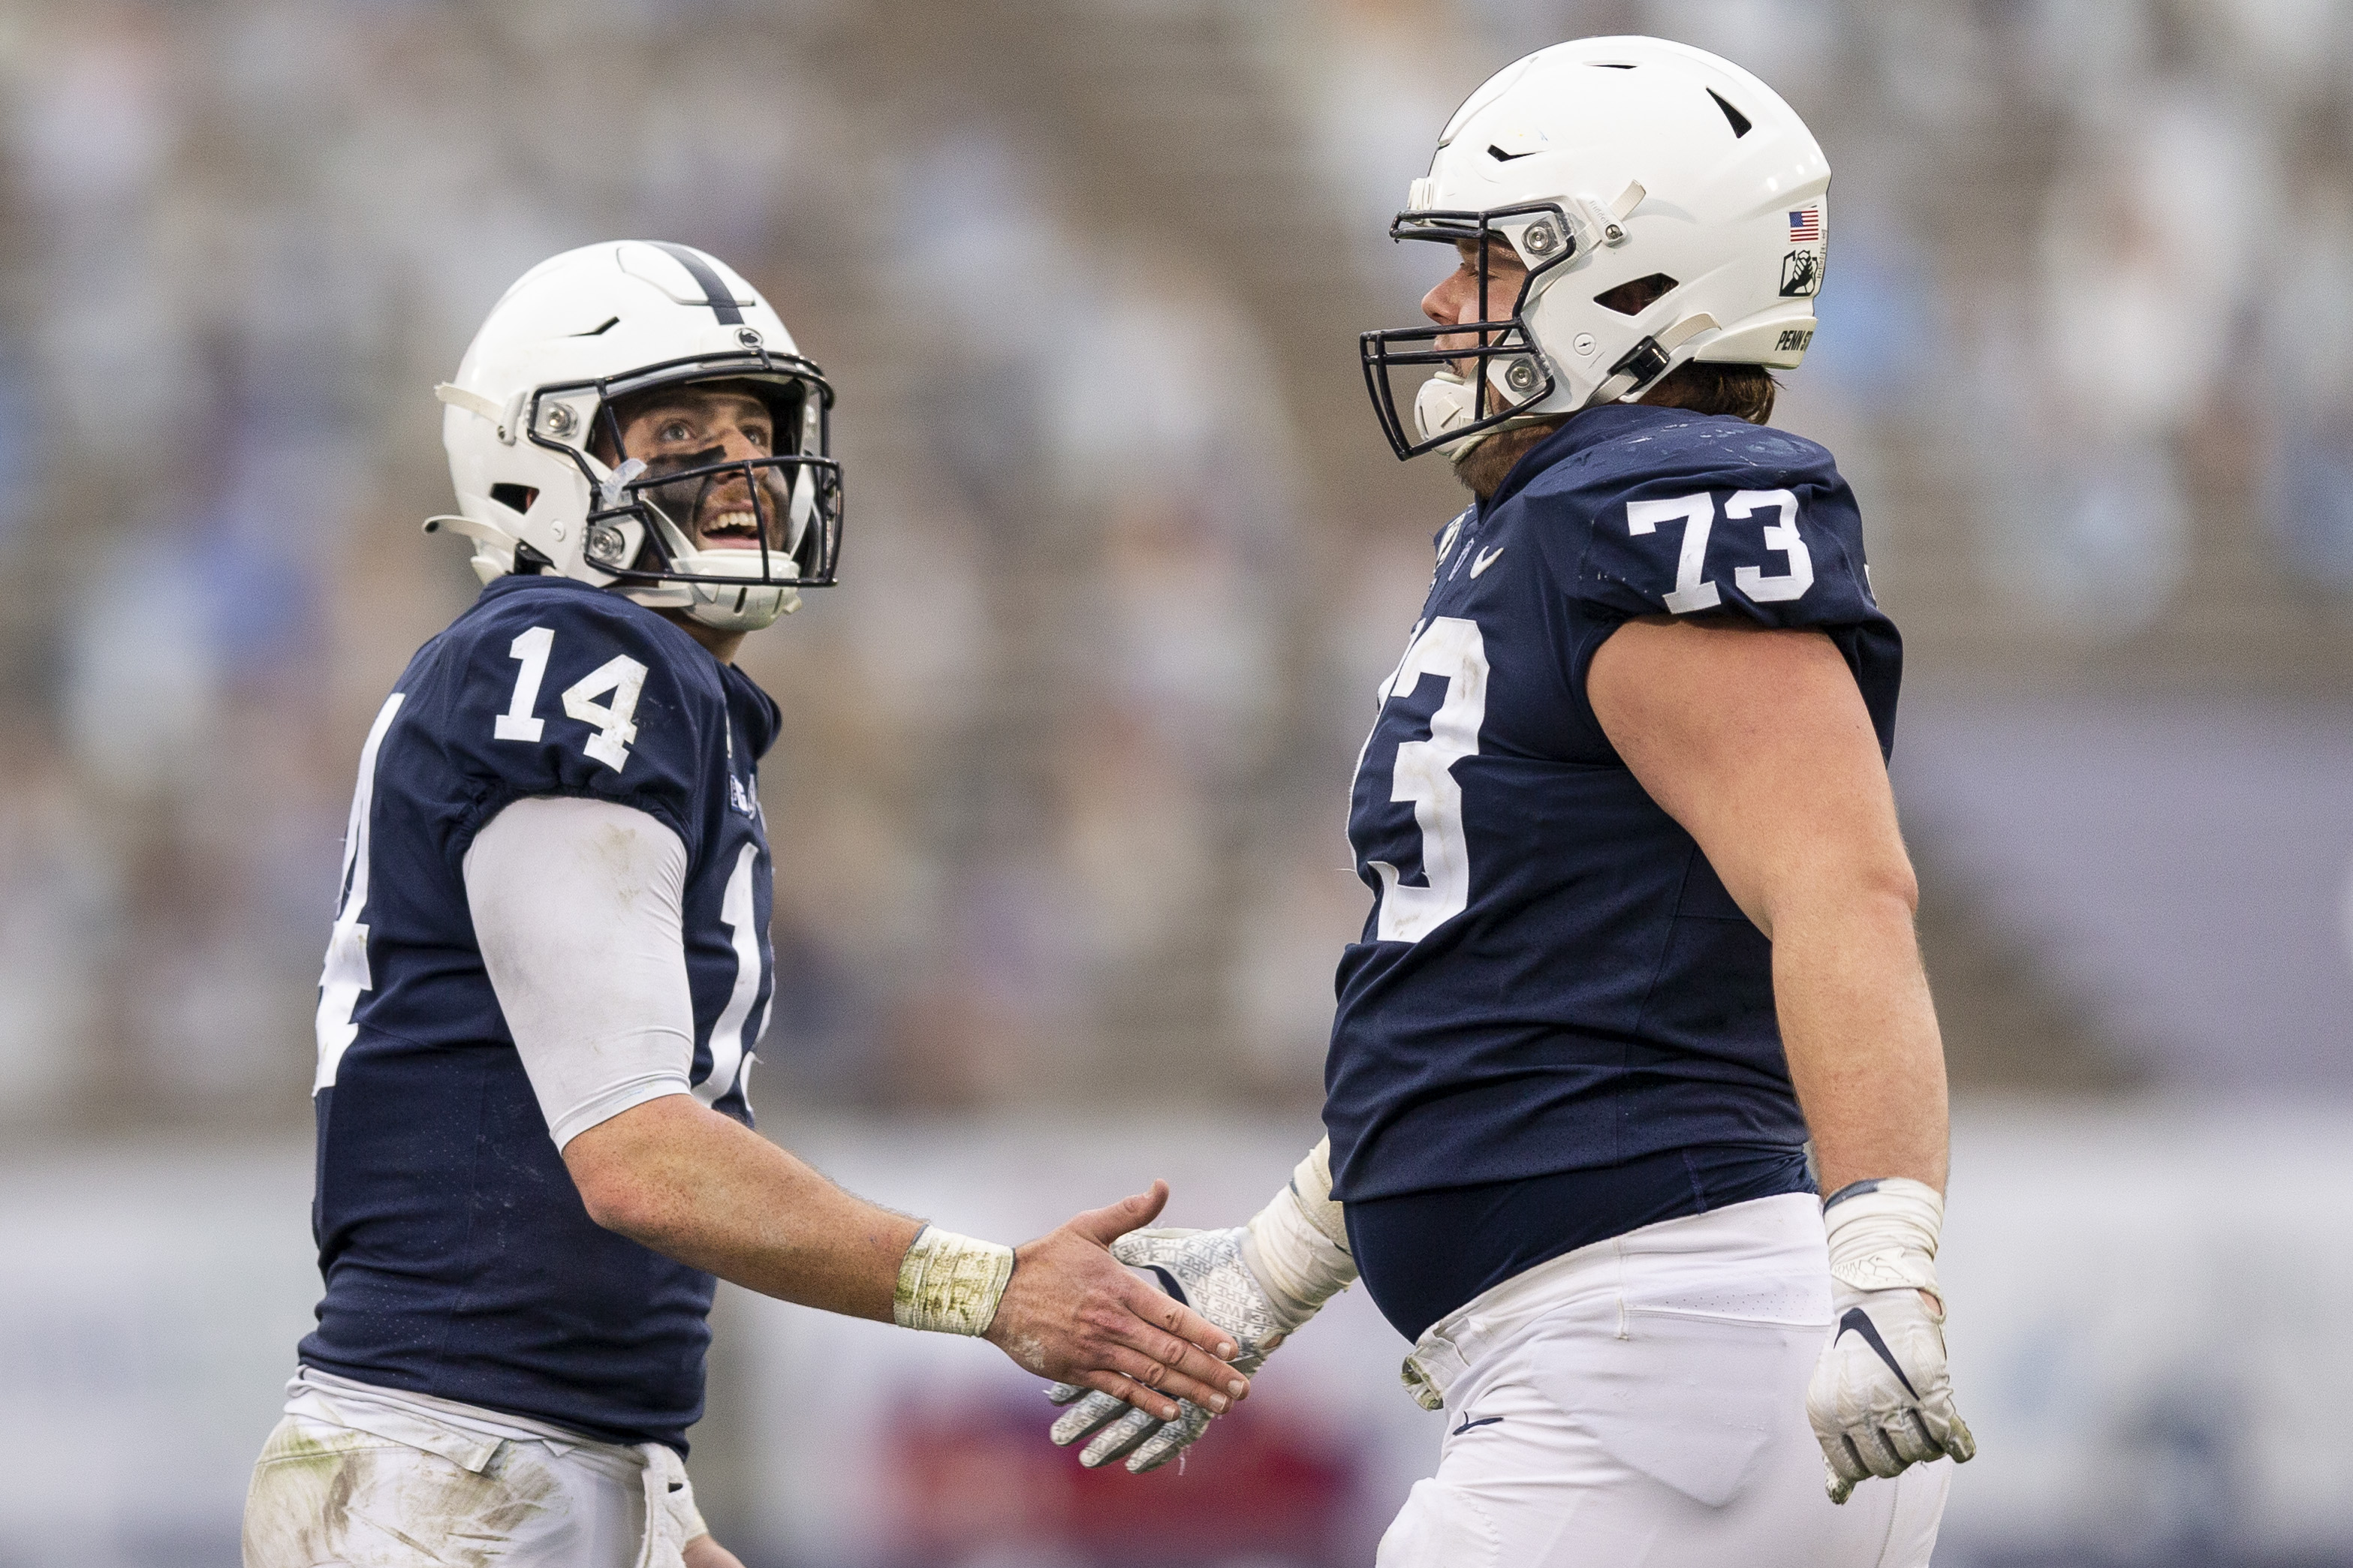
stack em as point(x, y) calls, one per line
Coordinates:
point(1468, 1423)
point(1857, 1322)
point(1500, 156)
point(1485, 559)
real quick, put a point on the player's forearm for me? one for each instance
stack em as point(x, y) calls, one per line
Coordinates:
point(696, 1186)
point(703, 1189)
point(1860, 1031)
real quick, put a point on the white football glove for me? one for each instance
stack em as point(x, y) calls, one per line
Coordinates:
point(1881, 1400)
point(1258, 1282)
point(1204, 1270)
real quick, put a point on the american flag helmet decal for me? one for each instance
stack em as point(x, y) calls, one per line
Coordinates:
point(1805, 225)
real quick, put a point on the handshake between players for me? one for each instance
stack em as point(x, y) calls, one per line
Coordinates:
point(1641, 930)
point(700, 1189)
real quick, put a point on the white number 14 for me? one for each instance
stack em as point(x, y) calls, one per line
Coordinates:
point(614, 722)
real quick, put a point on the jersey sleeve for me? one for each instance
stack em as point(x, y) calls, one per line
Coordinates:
point(1778, 542)
point(567, 694)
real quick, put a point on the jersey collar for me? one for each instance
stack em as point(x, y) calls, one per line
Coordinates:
point(548, 581)
point(1584, 430)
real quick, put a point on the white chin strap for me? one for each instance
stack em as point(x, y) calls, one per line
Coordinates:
point(1442, 403)
point(734, 606)
point(731, 607)
point(1445, 402)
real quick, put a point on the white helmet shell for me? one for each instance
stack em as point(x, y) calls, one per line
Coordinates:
point(594, 324)
point(1606, 161)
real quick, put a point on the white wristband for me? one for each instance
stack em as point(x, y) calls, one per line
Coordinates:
point(950, 1284)
point(1298, 1244)
point(1884, 1237)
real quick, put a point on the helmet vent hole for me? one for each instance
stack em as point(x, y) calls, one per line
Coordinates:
point(1740, 121)
point(612, 322)
point(1612, 65)
point(1633, 298)
point(514, 498)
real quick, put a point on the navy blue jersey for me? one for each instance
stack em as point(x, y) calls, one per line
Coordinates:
point(458, 1258)
point(1552, 977)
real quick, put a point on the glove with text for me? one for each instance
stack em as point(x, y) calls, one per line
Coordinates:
point(1260, 1282)
point(1881, 1400)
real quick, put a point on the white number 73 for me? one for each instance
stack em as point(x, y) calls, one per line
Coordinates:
point(1423, 773)
point(1693, 592)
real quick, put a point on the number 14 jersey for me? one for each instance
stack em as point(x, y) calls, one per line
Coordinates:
point(1552, 977)
point(458, 1258)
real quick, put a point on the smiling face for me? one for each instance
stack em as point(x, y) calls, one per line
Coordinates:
point(691, 426)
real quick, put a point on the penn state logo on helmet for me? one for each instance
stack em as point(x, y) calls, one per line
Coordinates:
point(1623, 173)
point(534, 431)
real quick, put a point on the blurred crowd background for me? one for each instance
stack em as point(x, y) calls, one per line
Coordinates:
point(1057, 813)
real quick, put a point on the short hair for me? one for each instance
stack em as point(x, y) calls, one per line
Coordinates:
point(1744, 391)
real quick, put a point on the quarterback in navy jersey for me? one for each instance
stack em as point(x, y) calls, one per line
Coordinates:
point(550, 967)
point(1642, 919)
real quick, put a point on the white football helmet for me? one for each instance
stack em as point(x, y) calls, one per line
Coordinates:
point(536, 453)
point(1605, 162)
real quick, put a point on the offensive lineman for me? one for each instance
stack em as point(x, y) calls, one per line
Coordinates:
point(1642, 920)
point(550, 963)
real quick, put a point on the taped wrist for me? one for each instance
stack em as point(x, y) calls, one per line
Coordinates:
point(1298, 1244)
point(1884, 1234)
point(950, 1284)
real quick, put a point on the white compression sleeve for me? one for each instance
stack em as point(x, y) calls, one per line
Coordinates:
point(578, 909)
point(1298, 1244)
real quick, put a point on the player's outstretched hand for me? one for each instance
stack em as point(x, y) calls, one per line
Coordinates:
point(1881, 1399)
point(1071, 1313)
point(1207, 1269)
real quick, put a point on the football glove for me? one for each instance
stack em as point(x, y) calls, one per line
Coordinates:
point(1881, 1400)
point(1258, 1282)
point(1204, 1270)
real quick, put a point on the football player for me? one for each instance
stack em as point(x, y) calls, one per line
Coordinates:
point(1642, 919)
point(550, 966)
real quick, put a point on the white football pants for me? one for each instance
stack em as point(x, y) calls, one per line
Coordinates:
point(1641, 1403)
point(361, 1478)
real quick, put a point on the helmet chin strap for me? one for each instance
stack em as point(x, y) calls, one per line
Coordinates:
point(1445, 401)
point(724, 607)
point(734, 607)
point(739, 608)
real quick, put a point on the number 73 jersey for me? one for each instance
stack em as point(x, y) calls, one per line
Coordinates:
point(458, 1258)
point(1552, 977)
